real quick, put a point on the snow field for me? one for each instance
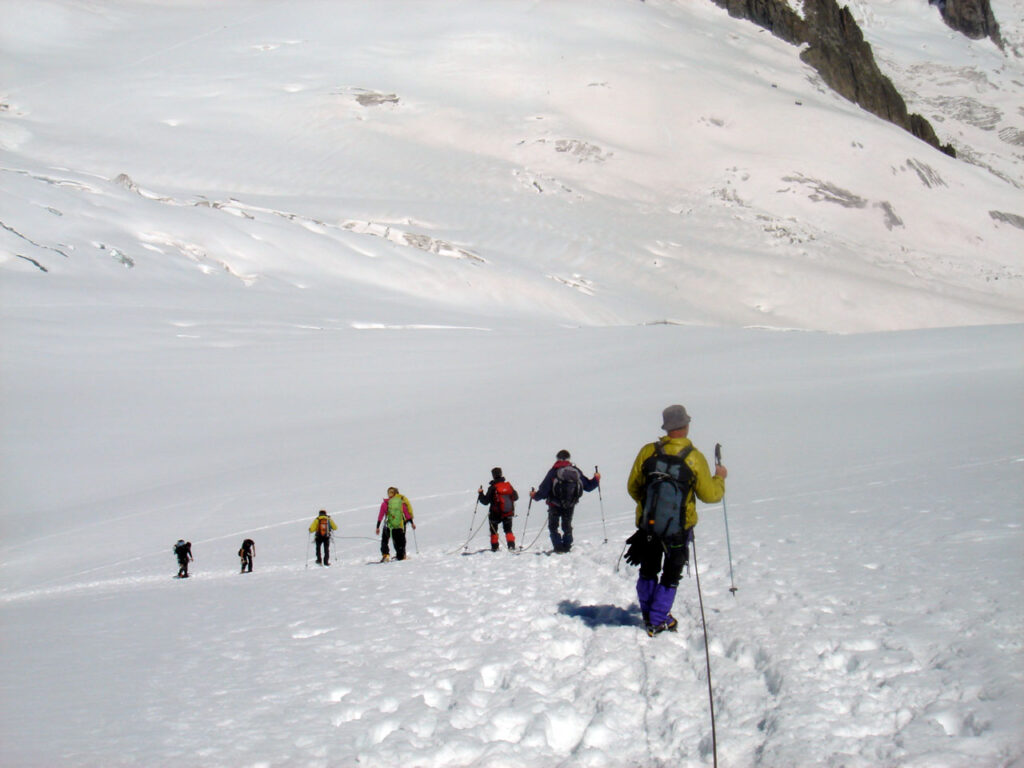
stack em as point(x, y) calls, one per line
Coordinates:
point(872, 623)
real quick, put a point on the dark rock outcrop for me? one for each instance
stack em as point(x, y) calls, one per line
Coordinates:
point(777, 17)
point(973, 18)
point(839, 53)
point(837, 50)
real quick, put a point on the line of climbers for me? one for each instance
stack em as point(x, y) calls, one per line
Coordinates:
point(666, 478)
point(562, 487)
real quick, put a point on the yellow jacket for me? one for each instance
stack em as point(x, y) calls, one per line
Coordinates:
point(707, 487)
point(316, 523)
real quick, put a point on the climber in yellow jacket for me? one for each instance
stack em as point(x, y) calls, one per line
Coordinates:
point(667, 478)
point(322, 526)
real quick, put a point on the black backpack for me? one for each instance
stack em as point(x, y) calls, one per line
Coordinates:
point(668, 483)
point(566, 487)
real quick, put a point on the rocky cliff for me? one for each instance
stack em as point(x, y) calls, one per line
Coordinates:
point(973, 18)
point(837, 50)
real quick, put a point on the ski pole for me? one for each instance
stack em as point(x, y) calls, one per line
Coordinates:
point(540, 532)
point(725, 515)
point(623, 552)
point(526, 522)
point(601, 498)
point(707, 656)
point(308, 542)
point(471, 536)
point(415, 540)
point(472, 521)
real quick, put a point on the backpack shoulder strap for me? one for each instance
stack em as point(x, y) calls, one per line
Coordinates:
point(683, 455)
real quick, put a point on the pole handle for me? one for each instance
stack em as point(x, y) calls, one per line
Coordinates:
point(718, 454)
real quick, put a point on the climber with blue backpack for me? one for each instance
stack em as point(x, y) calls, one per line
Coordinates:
point(667, 477)
point(562, 487)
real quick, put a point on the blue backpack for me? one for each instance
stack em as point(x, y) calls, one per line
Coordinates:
point(668, 483)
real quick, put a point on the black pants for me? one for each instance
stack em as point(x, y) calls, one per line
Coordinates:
point(495, 520)
point(562, 542)
point(325, 542)
point(183, 566)
point(246, 562)
point(398, 535)
point(669, 557)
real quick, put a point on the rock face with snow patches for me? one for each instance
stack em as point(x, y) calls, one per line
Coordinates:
point(838, 52)
point(972, 17)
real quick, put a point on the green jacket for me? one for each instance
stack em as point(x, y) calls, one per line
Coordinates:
point(397, 510)
point(706, 486)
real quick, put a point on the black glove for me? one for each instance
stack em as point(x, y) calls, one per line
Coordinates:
point(639, 543)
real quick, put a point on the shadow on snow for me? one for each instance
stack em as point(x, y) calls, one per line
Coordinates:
point(601, 615)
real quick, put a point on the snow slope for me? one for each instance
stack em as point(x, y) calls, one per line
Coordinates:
point(876, 620)
point(519, 156)
point(298, 252)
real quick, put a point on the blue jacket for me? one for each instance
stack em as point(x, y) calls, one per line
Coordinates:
point(544, 489)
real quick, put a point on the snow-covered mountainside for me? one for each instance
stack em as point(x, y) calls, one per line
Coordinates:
point(259, 259)
point(517, 158)
point(970, 92)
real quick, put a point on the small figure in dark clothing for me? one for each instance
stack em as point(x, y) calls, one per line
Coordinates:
point(183, 550)
point(247, 552)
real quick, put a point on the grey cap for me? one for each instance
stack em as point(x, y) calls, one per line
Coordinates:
point(674, 417)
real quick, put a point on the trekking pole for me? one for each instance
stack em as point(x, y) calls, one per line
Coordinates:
point(623, 552)
point(471, 537)
point(308, 542)
point(415, 540)
point(526, 523)
point(471, 522)
point(707, 656)
point(540, 532)
point(725, 515)
point(601, 499)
